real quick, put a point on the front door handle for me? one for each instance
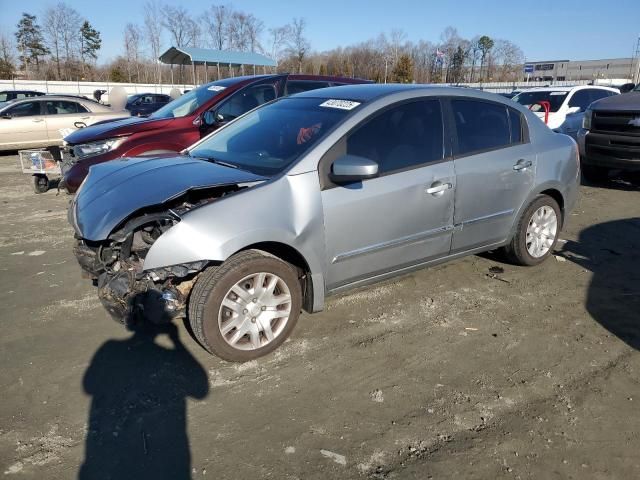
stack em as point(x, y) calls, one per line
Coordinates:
point(38, 120)
point(438, 188)
point(522, 164)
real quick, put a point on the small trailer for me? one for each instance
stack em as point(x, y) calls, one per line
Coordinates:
point(42, 165)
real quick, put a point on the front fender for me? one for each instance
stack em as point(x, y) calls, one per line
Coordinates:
point(287, 211)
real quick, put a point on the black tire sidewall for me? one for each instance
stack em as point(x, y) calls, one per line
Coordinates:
point(521, 251)
point(225, 280)
point(40, 184)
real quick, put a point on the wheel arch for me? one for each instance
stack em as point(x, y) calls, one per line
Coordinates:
point(292, 256)
point(550, 189)
point(558, 197)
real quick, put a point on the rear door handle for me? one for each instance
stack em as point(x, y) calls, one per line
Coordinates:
point(522, 164)
point(438, 188)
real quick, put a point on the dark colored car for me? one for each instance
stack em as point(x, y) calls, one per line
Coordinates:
point(610, 136)
point(181, 122)
point(9, 95)
point(144, 104)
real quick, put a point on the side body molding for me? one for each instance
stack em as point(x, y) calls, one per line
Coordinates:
point(287, 210)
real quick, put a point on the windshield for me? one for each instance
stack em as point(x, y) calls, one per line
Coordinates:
point(269, 139)
point(528, 99)
point(3, 96)
point(189, 102)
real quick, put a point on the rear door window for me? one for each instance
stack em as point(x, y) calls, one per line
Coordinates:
point(63, 107)
point(480, 126)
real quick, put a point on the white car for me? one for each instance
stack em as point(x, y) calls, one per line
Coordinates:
point(566, 104)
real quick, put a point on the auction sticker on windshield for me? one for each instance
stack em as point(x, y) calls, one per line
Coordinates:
point(341, 104)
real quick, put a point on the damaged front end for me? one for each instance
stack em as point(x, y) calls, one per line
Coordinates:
point(116, 265)
point(123, 207)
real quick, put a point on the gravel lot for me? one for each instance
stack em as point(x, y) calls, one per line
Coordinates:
point(460, 371)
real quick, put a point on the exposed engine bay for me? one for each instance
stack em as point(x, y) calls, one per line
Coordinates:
point(116, 265)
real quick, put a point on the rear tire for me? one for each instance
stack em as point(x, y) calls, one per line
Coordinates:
point(255, 321)
point(594, 174)
point(536, 234)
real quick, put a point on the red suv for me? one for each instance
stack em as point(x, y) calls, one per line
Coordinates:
point(182, 122)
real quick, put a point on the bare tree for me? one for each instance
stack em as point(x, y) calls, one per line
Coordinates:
point(132, 39)
point(70, 34)
point(7, 58)
point(181, 26)
point(278, 38)
point(238, 31)
point(508, 58)
point(215, 21)
point(53, 24)
point(153, 32)
point(298, 44)
point(62, 32)
point(398, 36)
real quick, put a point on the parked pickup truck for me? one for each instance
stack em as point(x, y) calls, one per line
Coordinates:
point(610, 135)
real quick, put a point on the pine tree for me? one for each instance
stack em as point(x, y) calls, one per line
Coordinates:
point(403, 71)
point(457, 63)
point(90, 43)
point(30, 41)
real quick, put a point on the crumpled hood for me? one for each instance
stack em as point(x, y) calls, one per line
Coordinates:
point(115, 128)
point(619, 103)
point(114, 190)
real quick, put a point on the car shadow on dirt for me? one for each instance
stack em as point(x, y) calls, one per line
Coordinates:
point(611, 251)
point(137, 425)
point(625, 181)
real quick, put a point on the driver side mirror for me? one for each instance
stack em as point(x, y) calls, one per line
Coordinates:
point(572, 110)
point(5, 115)
point(627, 87)
point(211, 118)
point(352, 168)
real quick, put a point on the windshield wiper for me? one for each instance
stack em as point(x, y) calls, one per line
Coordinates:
point(219, 162)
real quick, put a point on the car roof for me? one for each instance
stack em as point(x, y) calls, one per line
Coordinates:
point(327, 78)
point(370, 91)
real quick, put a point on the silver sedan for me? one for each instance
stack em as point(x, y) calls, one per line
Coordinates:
point(315, 194)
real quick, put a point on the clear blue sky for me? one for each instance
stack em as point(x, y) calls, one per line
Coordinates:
point(560, 29)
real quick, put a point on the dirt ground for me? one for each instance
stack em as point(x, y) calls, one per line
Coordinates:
point(457, 371)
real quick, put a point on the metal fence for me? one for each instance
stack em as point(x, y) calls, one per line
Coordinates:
point(87, 88)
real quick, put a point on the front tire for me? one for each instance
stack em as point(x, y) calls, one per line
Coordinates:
point(537, 232)
point(246, 307)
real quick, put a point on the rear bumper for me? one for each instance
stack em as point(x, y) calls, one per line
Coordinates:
point(611, 151)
